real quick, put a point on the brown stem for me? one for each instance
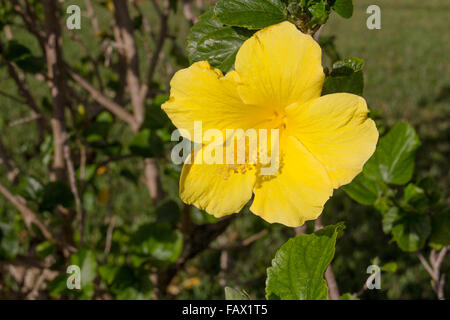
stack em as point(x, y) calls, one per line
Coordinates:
point(28, 215)
point(74, 189)
point(189, 12)
point(7, 95)
point(153, 181)
point(30, 20)
point(11, 170)
point(163, 33)
point(92, 16)
point(128, 45)
point(104, 101)
point(200, 239)
point(56, 83)
point(433, 269)
point(96, 70)
point(25, 93)
point(333, 288)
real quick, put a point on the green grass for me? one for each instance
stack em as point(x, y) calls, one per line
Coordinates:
point(406, 61)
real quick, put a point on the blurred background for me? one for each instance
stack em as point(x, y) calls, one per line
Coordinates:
point(85, 170)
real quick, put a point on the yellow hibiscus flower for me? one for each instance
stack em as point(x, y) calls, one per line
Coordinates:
point(277, 83)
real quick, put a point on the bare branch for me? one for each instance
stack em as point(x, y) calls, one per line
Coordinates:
point(189, 12)
point(25, 92)
point(29, 18)
point(433, 270)
point(28, 215)
point(333, 288)
point(92, 16)
point(7, 95)
point(57, 85)
point(163, 33)
point(426, 265)
point(109, 234)
point(244, 243)
point(74, 189)
point(137, 91)
point(153, 181)
point(108, 104)
point(11, 170)
point(77, 39)
point(19, 122)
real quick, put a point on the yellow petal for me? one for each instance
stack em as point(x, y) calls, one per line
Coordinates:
point(298, 193)
point(202, 93)
point(219, 189)
point(336, 130)
point(279, 65)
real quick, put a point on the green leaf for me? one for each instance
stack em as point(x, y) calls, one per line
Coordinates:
point(345, 76)
point(344, 8)
point(131, 293)
point(431, 188)
point(250, 14)
point(45, 249)
point(348, 296)
point(155, 117)
point(168, 211)
point(299, 265)
point(233, 294)
point(85, 259)
point(411, 231)
point(16, 51)
point(363, 190)
point(9, 242)
point(319, 12)
point(202, 217)
point(393, 160)
point(389, 267)
point(210, 40)
point(99, 129)
point(54, 194)
point(414, 198)
point(129, 283)
point(389, 218)
point(158, 242)
point(353, 83)
point(108, 273)
point(347, 66)
point(58, 285)
point(23, 57)
point(29, 187)
point(146, 144)
point(441, 229)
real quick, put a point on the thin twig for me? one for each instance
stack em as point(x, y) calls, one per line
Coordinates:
point(28, 215)
point(109, 234)
point(104, 101)
point(19, 122)
point(433, 270)
point(74, 189)
point(163, 33)
point(94, 62)
point(125, 37)
point(244, 243)
point(92, 16)
point(7, 95)
point(333, 288)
